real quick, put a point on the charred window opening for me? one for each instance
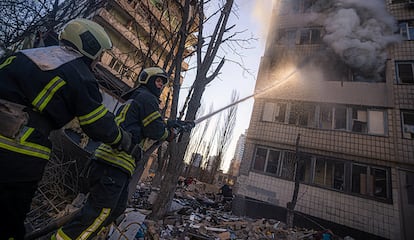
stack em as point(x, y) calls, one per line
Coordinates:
point(286, 36)
point(407, 118)
point(302, 6)
point(405, 73)
point(310, 36)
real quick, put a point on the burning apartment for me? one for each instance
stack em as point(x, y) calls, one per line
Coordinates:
point(339, 115)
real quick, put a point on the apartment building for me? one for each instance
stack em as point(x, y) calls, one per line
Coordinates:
point(144, 33)
point(340, 116)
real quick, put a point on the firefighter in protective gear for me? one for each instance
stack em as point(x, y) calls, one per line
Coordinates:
point(53, 85)
point(110, 170)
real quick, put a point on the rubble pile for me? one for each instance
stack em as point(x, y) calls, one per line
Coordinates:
point(197, 212)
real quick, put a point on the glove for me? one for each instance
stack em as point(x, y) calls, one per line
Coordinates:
point(125, 144)
point(172, 133)
point(181, 126)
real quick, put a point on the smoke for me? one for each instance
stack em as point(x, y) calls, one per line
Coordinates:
point(359, 31)
point(262, 11)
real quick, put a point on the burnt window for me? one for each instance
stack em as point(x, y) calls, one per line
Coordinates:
point(310, 36)
point(405, 72)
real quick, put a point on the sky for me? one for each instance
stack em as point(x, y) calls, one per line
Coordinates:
point(251, 18)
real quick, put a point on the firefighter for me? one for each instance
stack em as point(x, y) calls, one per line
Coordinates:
point(41, 90)
point(110, 170)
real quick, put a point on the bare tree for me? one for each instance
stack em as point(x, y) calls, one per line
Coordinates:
point(205, 60)
point(224, 134)
point(21, 19)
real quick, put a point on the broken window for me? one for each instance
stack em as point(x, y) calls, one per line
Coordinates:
point(379, 181)
point(359, 120)
point(359, 179)
point(305, 168)
point(340, 117)
point(325, 117)
point(274, 112)
point(288, 165)
point(302, 114)
point(260, 159)
point(407, 119)
point(301, 6)
point(310, 36)
point(329, 173)
point(407, 29)
point(405, 73)
point(339, 175)
point(371, 181)
point(272, 161)
point(286, 36)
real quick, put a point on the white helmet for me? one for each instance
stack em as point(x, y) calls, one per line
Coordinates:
point(87, 36)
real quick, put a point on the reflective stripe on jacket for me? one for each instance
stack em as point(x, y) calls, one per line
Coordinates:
point(139, 116)
point(57, 85)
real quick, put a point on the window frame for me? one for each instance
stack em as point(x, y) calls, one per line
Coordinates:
point(406, 29)
point(403, 124)
point(398, 75)
point(344, 182)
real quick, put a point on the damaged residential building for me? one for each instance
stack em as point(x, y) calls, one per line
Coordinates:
point(144, 33)
point(342, 108)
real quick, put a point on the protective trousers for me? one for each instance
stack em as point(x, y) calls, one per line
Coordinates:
point(108, 195)
point(15, 201)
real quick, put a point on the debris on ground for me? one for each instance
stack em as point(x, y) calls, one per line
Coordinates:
point(197, 212)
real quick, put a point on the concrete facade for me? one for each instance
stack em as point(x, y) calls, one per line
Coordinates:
point(356, 161)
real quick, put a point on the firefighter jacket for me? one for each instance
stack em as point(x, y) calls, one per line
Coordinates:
point(139, 116)
point(56, 85)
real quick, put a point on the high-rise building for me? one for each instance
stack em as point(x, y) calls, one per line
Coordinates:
point(343, 98)
point(238, 155)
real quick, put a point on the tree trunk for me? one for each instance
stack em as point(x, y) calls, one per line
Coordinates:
point(291, 205)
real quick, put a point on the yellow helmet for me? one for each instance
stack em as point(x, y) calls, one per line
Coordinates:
point(87, 36)
point(147, 73)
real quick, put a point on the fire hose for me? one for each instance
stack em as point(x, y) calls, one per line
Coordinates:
point(185, 126)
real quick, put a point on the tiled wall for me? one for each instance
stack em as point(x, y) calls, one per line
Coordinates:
point(378, 218)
